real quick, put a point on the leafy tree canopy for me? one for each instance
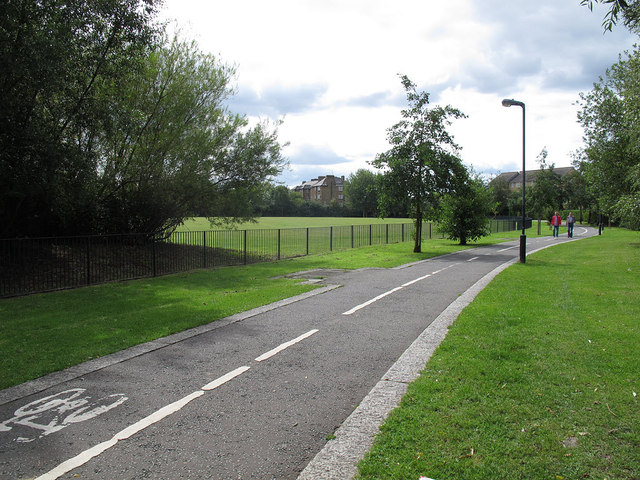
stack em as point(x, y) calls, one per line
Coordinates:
point(465, 211)
point(610, 117)
point(108, 126)
point(422, 163)
point(628, 10)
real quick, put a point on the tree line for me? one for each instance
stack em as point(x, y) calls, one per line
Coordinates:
point(108, 125)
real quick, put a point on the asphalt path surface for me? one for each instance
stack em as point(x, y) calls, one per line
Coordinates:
point(253, 396)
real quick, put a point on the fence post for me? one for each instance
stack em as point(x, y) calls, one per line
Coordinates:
point(279, 238)
point(307, 240)
point(351, 236)
point(204, 249)
point(403, 233)
point(88, 262)
point(370, 234)
point(245, 247)
point(387, 233)
point(213, 248)
point(153, 257)
point(331, 239)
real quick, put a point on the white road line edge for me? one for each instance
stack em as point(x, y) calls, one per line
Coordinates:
point(369, 302)
point(382, 295)
point(84, 457)
point(92, 452)
point(416, 280)
point(225, 378)
point(285, 345)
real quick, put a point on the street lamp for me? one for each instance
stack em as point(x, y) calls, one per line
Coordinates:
point(523, 238)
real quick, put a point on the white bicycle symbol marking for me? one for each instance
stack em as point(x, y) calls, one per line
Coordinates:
point(55, 412)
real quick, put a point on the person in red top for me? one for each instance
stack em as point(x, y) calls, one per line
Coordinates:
point(556, 221)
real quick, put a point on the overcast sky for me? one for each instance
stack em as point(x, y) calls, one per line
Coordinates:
point(330, 69)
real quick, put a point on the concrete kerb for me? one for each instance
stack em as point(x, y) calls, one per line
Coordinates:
point(339, 458)
point(51, 380)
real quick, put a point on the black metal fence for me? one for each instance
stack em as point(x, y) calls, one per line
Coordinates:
point(45, 264)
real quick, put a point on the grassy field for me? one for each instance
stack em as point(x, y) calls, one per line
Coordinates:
point(286, 237)
point(537, 379)
point(197, 224)
point(48, 332)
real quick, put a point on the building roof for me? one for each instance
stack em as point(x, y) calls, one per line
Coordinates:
point(516, 177)
point(319, 182)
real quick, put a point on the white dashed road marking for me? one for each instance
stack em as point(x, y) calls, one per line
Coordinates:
point(284, 346)
point(382, 295)
point(160, 414)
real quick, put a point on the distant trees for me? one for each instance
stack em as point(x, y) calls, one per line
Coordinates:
point(106, 126)
point(576, 194)
point(500, 196)
point(280, 201)
point(422, 163)
point(546, 194)
point(361, 192)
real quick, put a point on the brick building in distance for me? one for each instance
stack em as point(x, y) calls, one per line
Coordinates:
point(323, 189)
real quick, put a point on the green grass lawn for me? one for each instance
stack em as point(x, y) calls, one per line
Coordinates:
point(537, 379)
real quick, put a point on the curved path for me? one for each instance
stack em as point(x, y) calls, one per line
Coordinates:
point(262, 394)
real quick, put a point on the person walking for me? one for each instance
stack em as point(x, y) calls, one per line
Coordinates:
point(570, 221)
point(556, 221)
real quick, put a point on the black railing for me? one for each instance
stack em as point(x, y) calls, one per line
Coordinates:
point(45, 264)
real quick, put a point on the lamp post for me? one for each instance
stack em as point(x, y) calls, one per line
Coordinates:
point(523, 238)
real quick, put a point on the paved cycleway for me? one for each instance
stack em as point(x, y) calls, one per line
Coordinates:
point(256, 395)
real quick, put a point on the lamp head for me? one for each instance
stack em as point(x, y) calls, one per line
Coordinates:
point(508, 102)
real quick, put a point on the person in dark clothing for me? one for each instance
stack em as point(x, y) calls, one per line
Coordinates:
point(570, 221)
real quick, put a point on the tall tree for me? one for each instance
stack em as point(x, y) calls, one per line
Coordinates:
point(171, 148)
point(109, 127)
point(422, 163)
point(610, 117)
point(53, 55)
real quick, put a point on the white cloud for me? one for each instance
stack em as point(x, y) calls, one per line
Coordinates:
point(331, 69)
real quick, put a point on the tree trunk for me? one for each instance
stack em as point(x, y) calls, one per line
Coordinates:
point(417, 246)
point(539, 223)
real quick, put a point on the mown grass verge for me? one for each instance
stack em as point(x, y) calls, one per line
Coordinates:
point(537, 379)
